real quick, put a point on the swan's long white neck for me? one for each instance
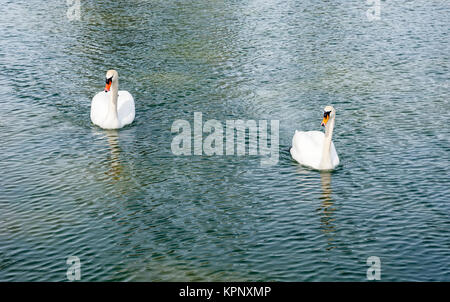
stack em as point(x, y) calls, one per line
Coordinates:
point(114, 95)
point(325, 162)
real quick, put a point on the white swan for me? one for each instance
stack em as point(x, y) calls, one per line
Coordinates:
point(314, 148)
point(112, 109)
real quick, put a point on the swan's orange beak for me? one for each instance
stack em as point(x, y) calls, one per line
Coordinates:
point(326, 117)
point(108, 85)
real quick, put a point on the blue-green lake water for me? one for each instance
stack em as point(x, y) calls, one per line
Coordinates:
point(133, 211)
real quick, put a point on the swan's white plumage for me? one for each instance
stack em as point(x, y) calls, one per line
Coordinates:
point(100, 114)
point(307, 148)
point(315, 149)
point(112, 109)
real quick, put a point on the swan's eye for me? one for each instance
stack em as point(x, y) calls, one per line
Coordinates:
point(108, 81)
point(326, 114)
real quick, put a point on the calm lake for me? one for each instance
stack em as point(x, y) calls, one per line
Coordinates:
point(131, 210)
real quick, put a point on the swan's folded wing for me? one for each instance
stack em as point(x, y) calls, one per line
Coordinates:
point(307, 147)
point(334, 156)
point(99, 107)
point(125, 108)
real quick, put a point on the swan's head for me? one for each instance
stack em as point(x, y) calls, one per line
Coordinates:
point(111, 77)
point(328, 113)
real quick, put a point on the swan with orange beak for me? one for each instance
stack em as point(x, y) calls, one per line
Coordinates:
point(315, 149)
point(111, 108)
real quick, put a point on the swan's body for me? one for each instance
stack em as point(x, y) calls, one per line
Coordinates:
point(112, 109)
point(307, 149)
point(108, 116)
point(315, 148)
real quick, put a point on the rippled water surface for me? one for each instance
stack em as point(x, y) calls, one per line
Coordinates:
point(131, 210)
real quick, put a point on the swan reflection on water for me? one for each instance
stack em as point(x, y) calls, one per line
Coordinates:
point(326, 209)
point(116, 167)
